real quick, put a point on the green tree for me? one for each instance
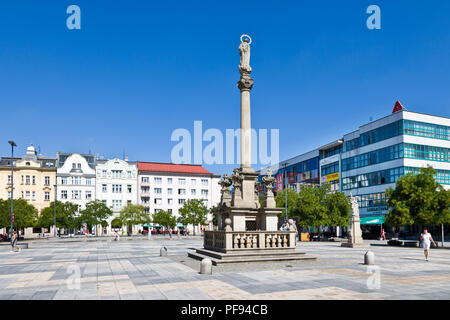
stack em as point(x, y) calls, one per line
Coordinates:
point(292, 202)
point(417, 199)
point(165, 219)
point(214, 212)
point(65, 215)
point(311, 206)
point(193, 212)
point(25, 215)
point(96, 213)
point(133, 214)
point(338, 209)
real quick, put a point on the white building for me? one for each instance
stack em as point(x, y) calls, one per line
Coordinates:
point(167, 186)
point(116, 185)
point(75, 176)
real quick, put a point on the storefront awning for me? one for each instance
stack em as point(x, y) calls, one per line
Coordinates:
point(372, 220)
point(180, 225)
point(146, 225)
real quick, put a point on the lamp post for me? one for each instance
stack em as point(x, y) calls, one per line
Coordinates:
point(285, 192)
point(13, 144)
point(54, 212)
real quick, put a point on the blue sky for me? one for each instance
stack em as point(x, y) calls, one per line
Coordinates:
point(137, 70)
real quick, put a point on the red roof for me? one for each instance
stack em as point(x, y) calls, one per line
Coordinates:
point(172, 168)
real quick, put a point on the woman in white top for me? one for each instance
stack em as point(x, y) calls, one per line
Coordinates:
point(426, 242)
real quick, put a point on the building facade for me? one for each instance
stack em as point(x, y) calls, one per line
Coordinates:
point(116, 185)
point(75, 178)
point(369, 160)
point(34, 181)
point(166, 186)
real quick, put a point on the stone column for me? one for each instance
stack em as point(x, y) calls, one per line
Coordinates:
point(245, 84)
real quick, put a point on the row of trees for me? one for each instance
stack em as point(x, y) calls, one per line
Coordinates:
point(315, 206)
point(96, 213)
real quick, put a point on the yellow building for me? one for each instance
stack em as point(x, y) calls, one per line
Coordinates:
point(34, 181)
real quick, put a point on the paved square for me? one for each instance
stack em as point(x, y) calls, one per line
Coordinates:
point(133, 269)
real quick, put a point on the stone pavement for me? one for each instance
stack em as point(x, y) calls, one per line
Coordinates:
point(134, 270)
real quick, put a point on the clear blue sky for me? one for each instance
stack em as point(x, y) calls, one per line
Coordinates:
point(137, 70)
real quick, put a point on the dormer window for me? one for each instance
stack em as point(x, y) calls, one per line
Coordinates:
point(27, 164)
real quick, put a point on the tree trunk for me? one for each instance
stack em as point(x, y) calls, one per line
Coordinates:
point(442, 230)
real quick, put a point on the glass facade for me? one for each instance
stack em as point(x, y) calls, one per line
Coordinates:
point(372, 178)
point(371, 200)
point(408, 127)
point(377, 156)
point(442, 176)
point(428, 130)
point(330, 168)
point(330, 152)
point(417, 151)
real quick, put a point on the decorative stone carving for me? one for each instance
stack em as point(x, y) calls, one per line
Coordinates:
point(228, 224)
point(354, 232)
point(257, 187)
point(225, 183)
point(292, 226)
point(269, 199)
point(237, 178)
point(244, 52)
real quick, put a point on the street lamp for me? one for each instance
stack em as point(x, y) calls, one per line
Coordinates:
point(285, 191)
point(54, 211)
point(13, 144)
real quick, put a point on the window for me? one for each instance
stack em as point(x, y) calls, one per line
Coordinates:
point(47, 196)
point(428, 130)
point(22, 179)
point(27, 180)
point(157, 180)
point(158, 190)
point(117, 204)
point(372, 178)
point(34, 180)
point(158, 201)
point(104, 173)
point(63, 180)
point(63, 194)
point(9, 179)
point(129, 174)
point(169, 180)
point(181, 181)
point(144, 179)
point(170, 201)
point(117, 174)
point(22, 195)
point(182, 191)
point(79, 165)
point(193, 191)
point(9, 194)
point(33, 195)
point(193, 182)
point(128, 202)
point(74, 165)
point(47, 180)
point(88, 195)
point(88, 181)
point(105, 202)
point(76, 194)
point(204, 182)
point(169, 211)
point(374, 157)
point(169, 191)
point(76, 180)
point(104, 189)
point(181, 201)
point(117, 188)
point(204, 192)
point(129, 189)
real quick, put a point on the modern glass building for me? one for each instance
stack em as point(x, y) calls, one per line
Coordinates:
point(369, 160)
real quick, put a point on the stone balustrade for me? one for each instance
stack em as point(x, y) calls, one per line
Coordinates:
point(248, 240)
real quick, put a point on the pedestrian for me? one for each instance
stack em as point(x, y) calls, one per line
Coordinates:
point(383, 234)
point(426, 242)
point(14, 243)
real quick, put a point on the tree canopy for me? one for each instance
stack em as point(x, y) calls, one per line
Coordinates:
point(418, 199)
point(25, 214)
point(193, 212)
point(65, 215)
point(165, 219)
point(133, 214)
point(96, 213)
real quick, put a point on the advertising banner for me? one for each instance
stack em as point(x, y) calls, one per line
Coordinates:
point(280, 182)
point(330, 177)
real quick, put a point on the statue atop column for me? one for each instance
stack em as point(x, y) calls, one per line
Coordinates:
point(268, 180)
point(244, 51)
point(225, 183)
point(354, 232)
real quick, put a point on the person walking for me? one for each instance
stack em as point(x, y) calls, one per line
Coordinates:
point(426, 242)
point(383, 234)
point(14, 243)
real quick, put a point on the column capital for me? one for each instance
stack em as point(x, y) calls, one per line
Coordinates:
point(245, 83)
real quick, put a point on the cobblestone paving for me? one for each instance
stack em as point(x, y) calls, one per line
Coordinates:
point(134, 270)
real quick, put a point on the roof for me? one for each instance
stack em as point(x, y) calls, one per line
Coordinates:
point(172, 168)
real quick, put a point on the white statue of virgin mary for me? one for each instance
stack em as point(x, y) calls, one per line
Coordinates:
point(244, 51)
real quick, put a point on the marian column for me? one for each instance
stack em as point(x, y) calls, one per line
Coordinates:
point(245, 84)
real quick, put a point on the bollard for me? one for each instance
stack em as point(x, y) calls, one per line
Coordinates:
point(163, 252)
point(206, 266)
point(369, 258)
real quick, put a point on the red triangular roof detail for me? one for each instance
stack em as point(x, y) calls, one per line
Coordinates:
point(398, 106)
